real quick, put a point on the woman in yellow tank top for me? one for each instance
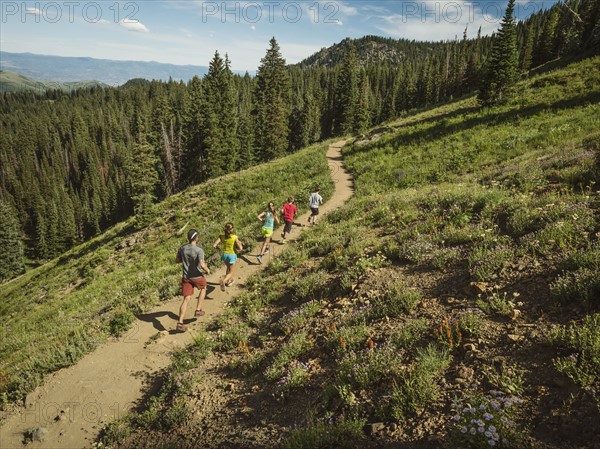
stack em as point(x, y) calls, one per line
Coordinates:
point(230, 241)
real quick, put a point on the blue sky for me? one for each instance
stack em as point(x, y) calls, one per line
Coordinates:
point(190, 31)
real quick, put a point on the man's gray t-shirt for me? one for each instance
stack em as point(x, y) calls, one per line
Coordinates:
point(314, 200)
point(190, 256)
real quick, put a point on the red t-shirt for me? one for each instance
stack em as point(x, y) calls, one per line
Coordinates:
point(289, 210)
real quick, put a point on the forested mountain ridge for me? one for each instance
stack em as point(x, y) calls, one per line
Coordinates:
point(73, 164)
point(14, 82)
point(376, 49)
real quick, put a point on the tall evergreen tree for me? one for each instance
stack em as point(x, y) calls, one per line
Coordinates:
point(502, 67)
point(11, 249)
point(347, 92)
point(218, 120)
point(245, 129)
point(362, 116)
point(143, 180)
point(547, 49)
point(272, 104)
point(591, 24)
point(192, 131)
point(527, 53)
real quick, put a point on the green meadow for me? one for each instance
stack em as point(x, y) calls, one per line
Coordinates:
point(56, 313)
point(462, 279)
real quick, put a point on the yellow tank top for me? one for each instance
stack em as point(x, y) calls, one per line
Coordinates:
point(228, 243)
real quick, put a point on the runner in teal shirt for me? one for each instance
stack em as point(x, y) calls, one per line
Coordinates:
point(268, 219)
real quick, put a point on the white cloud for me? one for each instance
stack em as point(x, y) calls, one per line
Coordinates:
point(253, 28)
point(441, 20)
point(187, 33)
point(134, 25)
point(34, 11)
point(399, 27)
point(343, 8)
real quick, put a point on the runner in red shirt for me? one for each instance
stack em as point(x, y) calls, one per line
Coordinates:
point(288, 210)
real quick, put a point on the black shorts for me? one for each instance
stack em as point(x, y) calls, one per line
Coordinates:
point(315, 211)
point(288, 226)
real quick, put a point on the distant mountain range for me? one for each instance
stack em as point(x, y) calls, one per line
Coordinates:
point(14, 82)
point(110, 72)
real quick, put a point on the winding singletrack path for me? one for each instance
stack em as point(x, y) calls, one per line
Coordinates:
point(75, 403)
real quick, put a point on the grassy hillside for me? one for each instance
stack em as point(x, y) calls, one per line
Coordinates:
point(14, 82)
point(56, 313)
point(454, 302)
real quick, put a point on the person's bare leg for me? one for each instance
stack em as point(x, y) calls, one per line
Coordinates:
point(201, 297)
point(264, 246)
point(229, 275)
point(183, 308)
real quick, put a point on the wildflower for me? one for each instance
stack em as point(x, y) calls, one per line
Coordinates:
point(491, 442)
point(472, 431)
point(456, 417)
point(481, 429)
point(463, 429)
point(488, 434)
point(492, 428)
point(488, 416)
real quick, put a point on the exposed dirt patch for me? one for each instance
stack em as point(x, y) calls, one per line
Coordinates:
point(75, 403)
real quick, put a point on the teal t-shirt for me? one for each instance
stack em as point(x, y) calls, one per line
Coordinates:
point(269, 221)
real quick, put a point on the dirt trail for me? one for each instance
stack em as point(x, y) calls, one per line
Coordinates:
point(75, 403)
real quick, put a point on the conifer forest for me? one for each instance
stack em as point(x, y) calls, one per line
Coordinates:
point(74, 164)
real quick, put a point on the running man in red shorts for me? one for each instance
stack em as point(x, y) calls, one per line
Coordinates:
point(191, 257)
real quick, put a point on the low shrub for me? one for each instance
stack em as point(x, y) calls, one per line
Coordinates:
point(346, 432)
point(483, 421)
point(583, 364)
point(417, 386)
point(297, 345)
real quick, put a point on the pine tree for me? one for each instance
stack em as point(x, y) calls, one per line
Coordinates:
point(11, 258)
point(591, 24)
point(362, 116)
point(474, 66)
point(245, 128)
point(502, 68)
point(143, 180)
point(547, 48)
point(527, 54)
point(218, 120)
point(347, 92)
point(192, 130)
point(272, 99)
